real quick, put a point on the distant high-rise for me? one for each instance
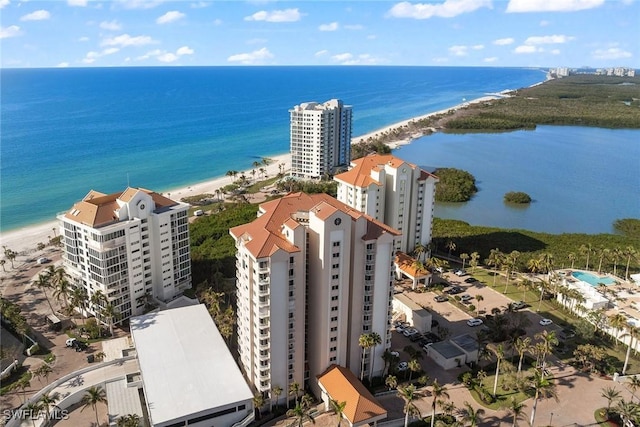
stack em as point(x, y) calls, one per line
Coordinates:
point(393, 191)
point(130, 246)
point(320, 138)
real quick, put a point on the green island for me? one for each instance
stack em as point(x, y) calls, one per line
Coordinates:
point(455, 185)
point(517, 197)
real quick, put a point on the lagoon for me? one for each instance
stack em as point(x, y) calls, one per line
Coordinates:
point(581, 179)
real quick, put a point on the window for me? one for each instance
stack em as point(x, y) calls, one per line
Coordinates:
point(335, 276)
point(333, 339)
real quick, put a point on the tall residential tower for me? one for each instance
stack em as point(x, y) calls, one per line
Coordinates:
point(393, 191)
point(320, 139)
point(130, 246)
point(313, 275)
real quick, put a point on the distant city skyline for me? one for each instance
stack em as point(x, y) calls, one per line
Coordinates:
point(520, 33)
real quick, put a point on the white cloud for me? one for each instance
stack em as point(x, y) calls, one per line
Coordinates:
point(127, 40)
point(111, 25)
point(217, 22)
point(544, 23)
point(63, 65)
point(350, 59)
point(184, 50)
point(490, 59)
point(353, 27)
point(516, 6)
point(78, 3)
point(91, 56)
point(322, 52)
point(4, 3)
point(341, 57)
point(152, 53)
point(10, 31)
point(255, 57)
point(477, 47)
point(38, 15)
point(168, 57)
point(554, 39)
point(199, 5)
point(525, 49)
point(440, 60)
point(555, 51)
point(611, 53)
point(458, 50)
point(503, 42)
point(287, 15)
point(110, 51)
point(328, 27)
point(448, 9)
point(83, 39)
point(171, 16)
point(256, 41)
point(372, 37)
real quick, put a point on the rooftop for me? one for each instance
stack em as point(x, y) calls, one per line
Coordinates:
point(466, 342)
point(185, 364)
point(446, 349)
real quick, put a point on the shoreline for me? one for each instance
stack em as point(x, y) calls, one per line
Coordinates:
point(26, 238)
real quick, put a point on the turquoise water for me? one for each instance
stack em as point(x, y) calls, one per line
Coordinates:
point(581, 179)
point(66, 131)
point(591, 279)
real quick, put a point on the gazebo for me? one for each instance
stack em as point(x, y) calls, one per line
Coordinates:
point(409, 267)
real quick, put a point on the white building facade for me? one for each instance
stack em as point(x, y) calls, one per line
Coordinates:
point(313, 275)
point(130, 246)
point(393, 191)
point(320, 138)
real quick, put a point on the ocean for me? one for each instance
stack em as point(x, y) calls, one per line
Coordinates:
point(66, 131)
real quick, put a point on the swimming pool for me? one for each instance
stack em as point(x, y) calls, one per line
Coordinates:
point(592, 279)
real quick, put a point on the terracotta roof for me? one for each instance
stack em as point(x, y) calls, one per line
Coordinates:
point(359, 174)
point(343, 386)
point(405, 264)
point(98, 209)
point(264, 234)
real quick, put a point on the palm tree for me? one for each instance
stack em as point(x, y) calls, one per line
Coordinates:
point(628, 411)
point(43, 371)
point(471, 415)
point(375, 341)
point(419, 250)
point(522, 345)
point(616, 254)
point(632, 332)
point(479, 299)
point(391, 381)
point(543, 389)
point(92, 397)
point(451, 246)
point(612, 395)
point(548, 341)
point(618, 322)
point(414, 366)
point(301, 413)
point(59, 280)
point(258, 402)
point(294, 389)
point(2, 263)
point(572, 258)
point(111, 313)
point(43, 283)
point(409, 394)
point(48, 399)
point(634, 384)
point(494, 260)
point(276, 390)
point(338, 408)
point(464, 257)
point(516, 409)
point(475, 256)
point(629, 252)
point(437, 391)
point(97, 298)
point(604, 254)
point(33, 409)
point(525, 285)
point(586, 250)
point(79, 299)
point(365, 342)
point(498, 351)
point(10, 255)
point(129, 420)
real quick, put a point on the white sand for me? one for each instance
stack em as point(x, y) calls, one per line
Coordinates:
point(24, 240)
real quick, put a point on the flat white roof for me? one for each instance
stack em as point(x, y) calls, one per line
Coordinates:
point(185, 364)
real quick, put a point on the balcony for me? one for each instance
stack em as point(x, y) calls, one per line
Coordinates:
point(263, 302)
point(263, 346)
point(263, 290)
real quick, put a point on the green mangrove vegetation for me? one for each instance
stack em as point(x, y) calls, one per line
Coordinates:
point(629, 227)
point(517, 197)
point(455, 185)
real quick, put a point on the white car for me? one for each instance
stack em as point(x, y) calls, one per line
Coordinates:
point(546, 322)
point(474, 322)
point(410, 332)
point(465, 297)
point(400, 328)
point(395, 354)
point(460, 273)
point(403, 366)
point(43, 260)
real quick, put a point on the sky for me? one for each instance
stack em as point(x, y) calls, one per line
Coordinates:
point(519, 33)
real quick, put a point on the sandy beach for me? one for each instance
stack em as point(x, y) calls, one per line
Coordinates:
point(25, 240)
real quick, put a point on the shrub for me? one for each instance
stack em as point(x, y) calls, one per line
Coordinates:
point(454, 185)
point(517, 197)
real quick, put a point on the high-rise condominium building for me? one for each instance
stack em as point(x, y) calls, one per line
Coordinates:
point(130, 246)
point(313, 275)
point(393, 191)
point(320, 138)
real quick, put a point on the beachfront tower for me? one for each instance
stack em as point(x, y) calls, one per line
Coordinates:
point(320, 139)
point(313, 275)
point(132, 246)
point(393, 191)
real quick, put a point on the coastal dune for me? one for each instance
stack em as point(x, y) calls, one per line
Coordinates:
point(24, 240)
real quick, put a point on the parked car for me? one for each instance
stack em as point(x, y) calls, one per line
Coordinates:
point(43, 260)
point(410, 332)
point(441, 298)
point(400, 328)
point(465, 298)
point(402, 366)
point(431, 337)
point(567, 334)
point(76, 344)
point(470, 280)
point(454, 290)
point(460, 273)
point(415, 337)
point(474, 322)
point(518, 305)
point(546, 322)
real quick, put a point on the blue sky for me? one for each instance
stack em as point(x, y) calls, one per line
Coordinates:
point(523, 33)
